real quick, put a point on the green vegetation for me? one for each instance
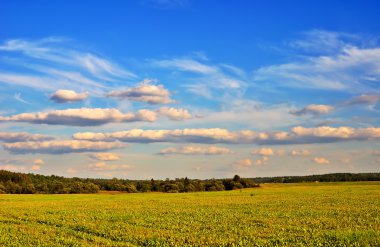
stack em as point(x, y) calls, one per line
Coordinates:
point(303, 214)
point(20, 183)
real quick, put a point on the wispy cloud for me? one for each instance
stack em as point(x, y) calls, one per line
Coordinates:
point(56, 63)
point(364, 99)
point(342, 64)
point(206, 79)
point(18, 97)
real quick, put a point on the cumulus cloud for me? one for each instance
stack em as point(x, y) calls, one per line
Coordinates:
point(191, 150)
point(145, 92)
point(37, 164)
point(300, 152)
point(321, 160)
point(22, 136)
point(105, 156)
point(102, 166)
point(12, 168)
point(71, 170)
point(264, 151)
point(297, 135)
point(313, 110)
point(364, 99)
point(82, 117)
point(59, 147)
point(262, 161)
point(174, 113)
point(243, 163)
point(64, 96)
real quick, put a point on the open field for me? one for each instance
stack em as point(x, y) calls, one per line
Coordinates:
point(312, 214)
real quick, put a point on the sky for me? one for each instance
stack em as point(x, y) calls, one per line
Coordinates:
point(189, 88)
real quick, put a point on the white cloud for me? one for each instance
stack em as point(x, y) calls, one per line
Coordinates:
point(262, 161)
point(243, 163)
point(264, 151)
point(12, 168)
point(364, 99)
point(37, 164)
point(102, 166)
point(18, 97)
point(82, 117)
point(71, 170)
point(64, 96)
point(343, 65)
point(186, 65)
point(297, 135)
point(105, 156)
point(176, 114)
point(299, 152)
point(191, 150)
point(59, 147)
point(321, 161)
point(53, 50)
point(144, 92)
point(313, 110)
point(248, 114)
point(207, 80)
point(55, 63)
point(22, 136)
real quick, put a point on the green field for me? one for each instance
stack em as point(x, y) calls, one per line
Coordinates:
point(308, 214)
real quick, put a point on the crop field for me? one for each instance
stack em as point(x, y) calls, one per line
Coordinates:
point(309, 214)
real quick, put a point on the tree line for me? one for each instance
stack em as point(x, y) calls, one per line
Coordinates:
point(332, 177)
point(21, 183)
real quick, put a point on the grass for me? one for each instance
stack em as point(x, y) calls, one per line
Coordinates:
point(310, 214)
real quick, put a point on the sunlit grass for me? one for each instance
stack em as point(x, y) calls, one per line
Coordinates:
point(310, 214)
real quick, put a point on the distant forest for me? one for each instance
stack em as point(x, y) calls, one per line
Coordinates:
point(21, 183)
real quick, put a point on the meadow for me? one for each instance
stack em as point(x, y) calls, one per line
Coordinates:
point(304, 214)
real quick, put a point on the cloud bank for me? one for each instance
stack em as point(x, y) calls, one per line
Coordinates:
point(82, 117)
point(22, 136)
point(60, 147)
point(192, 150)
point(297, 135)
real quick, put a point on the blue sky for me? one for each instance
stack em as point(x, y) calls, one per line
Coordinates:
point(175, 88)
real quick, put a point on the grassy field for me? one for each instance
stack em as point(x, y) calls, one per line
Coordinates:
point(313, 214)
